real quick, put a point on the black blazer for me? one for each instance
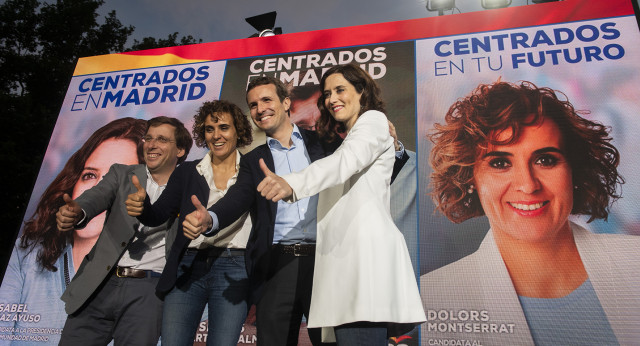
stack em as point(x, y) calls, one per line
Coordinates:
point(175, 200)
point(243, 196)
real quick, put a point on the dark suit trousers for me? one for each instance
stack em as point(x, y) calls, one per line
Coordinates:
point(286, 298)
point(126, 310)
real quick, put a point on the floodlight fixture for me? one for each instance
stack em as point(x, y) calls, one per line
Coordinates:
point(491, 4)
point(440, 6)
point(264, 23)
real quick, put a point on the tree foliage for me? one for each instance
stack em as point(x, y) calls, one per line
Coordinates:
point(40, 43)
point(172, 40)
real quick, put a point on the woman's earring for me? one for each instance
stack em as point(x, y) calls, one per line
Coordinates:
point(469, 200)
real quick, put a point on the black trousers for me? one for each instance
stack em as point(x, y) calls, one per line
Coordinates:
point(286, 298)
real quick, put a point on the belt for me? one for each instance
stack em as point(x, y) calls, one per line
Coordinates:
point(297, 249)
point(216, 252)
point(124, 272)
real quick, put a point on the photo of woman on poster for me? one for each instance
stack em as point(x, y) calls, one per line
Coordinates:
point(525, 158)
point(44, 260)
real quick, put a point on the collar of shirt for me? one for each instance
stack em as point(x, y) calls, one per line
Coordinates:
point(153, 189)
point(205, 169)
point(295, 222)
point(296, 138)
point(234, 236)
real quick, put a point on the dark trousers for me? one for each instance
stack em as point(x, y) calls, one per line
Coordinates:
point(362, 334)
point(286, 298)
point(126, 310)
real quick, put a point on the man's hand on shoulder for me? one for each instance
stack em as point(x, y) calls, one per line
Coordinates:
point(394, 135)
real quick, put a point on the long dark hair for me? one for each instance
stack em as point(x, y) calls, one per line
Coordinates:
point(41, 229)
point(363, 83)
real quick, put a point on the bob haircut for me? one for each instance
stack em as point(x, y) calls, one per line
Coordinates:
point(215, 109)
point(363, 83)
point(181, 134)
point(472, 123)
point(41, 229)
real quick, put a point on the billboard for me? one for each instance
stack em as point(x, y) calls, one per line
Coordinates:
point(475, 289)
point(510, 285)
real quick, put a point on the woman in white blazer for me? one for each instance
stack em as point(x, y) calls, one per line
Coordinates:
point(364, 286)
point(527, 160)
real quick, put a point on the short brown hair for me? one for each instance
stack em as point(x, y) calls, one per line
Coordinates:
point(183, 138)
point(214, 109)
point(470, 126)
point(281, 88)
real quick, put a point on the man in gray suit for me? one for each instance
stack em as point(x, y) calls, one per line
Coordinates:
point(112, 296)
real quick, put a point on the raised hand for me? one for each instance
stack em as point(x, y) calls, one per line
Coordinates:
point(273, 187)
point(68, 215)
point(135, 201)
point(198, 221)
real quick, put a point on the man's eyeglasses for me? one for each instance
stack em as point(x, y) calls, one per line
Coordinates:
point(159, 139)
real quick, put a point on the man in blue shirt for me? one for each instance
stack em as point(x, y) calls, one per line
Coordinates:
point(281, 249)
point(280, 253)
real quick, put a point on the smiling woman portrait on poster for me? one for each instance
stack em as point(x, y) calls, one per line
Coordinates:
point(528, 160)
point(44, 260)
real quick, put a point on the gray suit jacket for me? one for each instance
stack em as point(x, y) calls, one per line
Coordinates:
point(118, 231)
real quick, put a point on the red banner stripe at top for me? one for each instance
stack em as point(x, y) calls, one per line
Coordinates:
point(481, 21)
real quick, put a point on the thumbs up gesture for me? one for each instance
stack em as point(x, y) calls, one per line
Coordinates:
point(135, 201)
point(68, 215)
point(198, 221)
point(273, 187)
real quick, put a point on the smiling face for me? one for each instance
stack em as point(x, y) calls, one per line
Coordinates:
point(106, 154)
point(525, 188)
point(161, 157)
point(220, 135)
point(267, 112)
point(341, 99)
